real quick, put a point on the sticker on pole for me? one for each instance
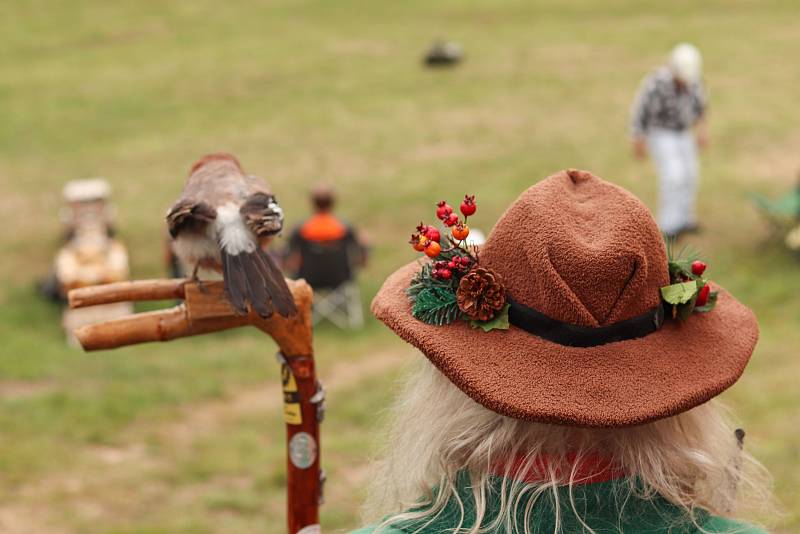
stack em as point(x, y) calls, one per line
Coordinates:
point(310, 529)
point(292, 413)
point(302, 450)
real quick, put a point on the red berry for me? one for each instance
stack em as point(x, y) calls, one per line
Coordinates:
point(443, 209)
point(451, 219)
point(698, 267)
point(453, 265)
point(465, 260)
point(468, 206)
point(432, 233)
point(702, 297)
point(445, 274)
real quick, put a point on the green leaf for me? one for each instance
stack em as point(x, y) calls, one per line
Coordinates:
point(499, 322)
point(680, 293)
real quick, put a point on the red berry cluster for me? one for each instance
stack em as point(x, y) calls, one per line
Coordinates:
point(427, 239)
point(698, 268)
point(444, 270)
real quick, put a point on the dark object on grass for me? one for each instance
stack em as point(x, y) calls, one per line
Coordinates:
point(444, 54)
point(50, 289)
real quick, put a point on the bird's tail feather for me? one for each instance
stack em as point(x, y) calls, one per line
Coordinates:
point(253, 278)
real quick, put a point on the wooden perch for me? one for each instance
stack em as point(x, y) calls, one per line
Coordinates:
point(206, 309)
point(127, 291)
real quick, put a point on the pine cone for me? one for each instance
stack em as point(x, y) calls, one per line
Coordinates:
point(481, 294)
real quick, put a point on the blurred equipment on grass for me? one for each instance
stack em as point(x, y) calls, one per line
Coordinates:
point(206, 309)
point(444, 54)
point(783, 216)
point(90, 254)
point(326, 252)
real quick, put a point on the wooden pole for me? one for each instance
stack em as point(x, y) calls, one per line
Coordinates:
point(206, 309)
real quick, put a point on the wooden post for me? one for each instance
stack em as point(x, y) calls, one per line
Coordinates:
point(205, 309)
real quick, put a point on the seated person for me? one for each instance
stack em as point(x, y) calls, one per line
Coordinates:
point(324, 250)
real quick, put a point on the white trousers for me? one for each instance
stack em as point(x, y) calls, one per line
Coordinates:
point(675, 156)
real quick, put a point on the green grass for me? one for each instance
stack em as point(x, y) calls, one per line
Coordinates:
point(309, 90)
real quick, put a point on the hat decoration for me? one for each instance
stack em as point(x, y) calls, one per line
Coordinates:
point(689, 291)
point(453, 286)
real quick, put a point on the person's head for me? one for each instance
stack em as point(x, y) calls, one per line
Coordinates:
point(322, 198)
point(686, 64)
point(575, 334)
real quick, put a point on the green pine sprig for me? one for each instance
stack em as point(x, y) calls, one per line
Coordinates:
point(433, 300)
point(680, 262)
point(436, 306)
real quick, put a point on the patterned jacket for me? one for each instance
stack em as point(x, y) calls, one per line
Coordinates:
point(660, 103)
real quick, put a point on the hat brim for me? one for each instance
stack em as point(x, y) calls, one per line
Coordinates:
point(520, 375)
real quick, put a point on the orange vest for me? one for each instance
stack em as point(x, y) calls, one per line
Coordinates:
point(323, 227)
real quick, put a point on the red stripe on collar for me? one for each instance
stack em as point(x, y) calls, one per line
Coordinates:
point(589, 469)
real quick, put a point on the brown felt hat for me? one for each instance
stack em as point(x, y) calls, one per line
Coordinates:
point(581, 251)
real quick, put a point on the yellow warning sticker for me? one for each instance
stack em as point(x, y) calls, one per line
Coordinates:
point(292, 413)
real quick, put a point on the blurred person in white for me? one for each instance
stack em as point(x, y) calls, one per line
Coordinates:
point(668, 119)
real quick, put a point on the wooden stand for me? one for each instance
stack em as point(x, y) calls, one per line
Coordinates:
point(205, 309)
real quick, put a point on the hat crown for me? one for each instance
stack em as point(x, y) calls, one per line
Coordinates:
point(579, 250)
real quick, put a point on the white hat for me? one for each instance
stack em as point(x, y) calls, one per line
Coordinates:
point(686, 63)
point(86, 190)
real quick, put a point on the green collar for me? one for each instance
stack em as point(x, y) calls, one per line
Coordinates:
point(607, 507)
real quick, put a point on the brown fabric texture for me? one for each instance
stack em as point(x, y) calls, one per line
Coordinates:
point(587, 252)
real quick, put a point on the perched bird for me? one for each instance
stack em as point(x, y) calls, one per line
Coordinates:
point(222, 221)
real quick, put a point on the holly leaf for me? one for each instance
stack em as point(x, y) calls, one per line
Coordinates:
point(498, 322)
point(680, 293)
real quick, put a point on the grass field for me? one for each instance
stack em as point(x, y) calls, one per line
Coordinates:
point(187, 437)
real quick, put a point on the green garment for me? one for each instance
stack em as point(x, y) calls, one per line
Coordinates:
point(607, 507)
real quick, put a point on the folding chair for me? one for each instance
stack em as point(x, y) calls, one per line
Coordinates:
point(327, 266)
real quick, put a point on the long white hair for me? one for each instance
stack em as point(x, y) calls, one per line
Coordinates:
point(693, 460)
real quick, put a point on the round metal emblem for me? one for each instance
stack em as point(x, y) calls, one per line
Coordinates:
point(302, 450)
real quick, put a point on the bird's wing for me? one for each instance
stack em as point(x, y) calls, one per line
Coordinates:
point(188, 214)
point(262, 214)
point(252, 277)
